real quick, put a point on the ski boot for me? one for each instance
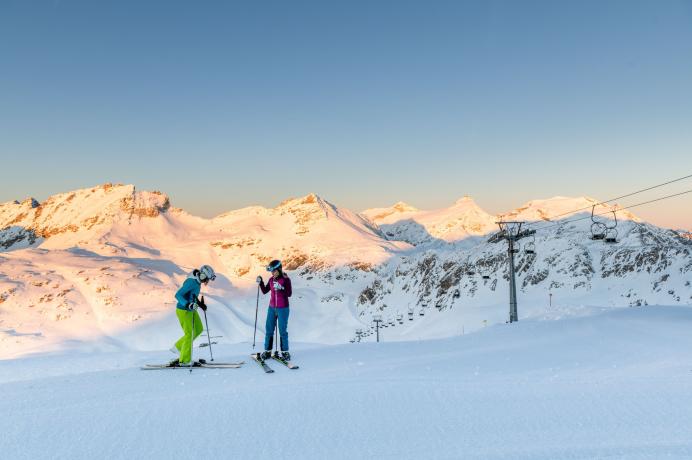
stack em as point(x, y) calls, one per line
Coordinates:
point(174, 363)
point(265, 355)
point(286, 356)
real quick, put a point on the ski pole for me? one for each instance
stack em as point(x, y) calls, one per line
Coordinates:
point(192, 334)
point(208, 333)
point(276, 328)
point(254, 336)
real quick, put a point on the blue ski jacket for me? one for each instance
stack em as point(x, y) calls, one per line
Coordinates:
point(188, 292)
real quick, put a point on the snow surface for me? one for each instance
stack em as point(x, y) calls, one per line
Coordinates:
point(575, 383)
point(87, 280)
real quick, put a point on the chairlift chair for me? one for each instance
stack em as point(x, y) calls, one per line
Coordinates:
point(516, 248)
point(598, 229)
point(457, 294)
point(611, 236)
point(530, 247)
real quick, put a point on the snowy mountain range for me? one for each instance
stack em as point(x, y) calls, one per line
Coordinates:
point(98, 267)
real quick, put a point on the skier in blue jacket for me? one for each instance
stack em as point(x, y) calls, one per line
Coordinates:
point(186, 311)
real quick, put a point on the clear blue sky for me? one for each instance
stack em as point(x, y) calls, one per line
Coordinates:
point(227, 104)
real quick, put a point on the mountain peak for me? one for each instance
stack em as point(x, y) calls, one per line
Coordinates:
point(378, 215)
point(403, 207)
point(68, 215)
point(312, 199)
point(465, 201)
point(562, 207)
point(30, 202)
point(306, 210)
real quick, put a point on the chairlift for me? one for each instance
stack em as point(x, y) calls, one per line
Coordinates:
point(457, 294)
point(598, 229)
point(516, 248)
point(410, 314)
point(530, 247)
point(421, 312)
point(611, 234)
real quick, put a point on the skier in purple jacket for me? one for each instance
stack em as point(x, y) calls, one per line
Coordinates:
point(280, 287)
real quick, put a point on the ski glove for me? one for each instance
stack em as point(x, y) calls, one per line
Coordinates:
point(278, 286)
point(259, 280)
point(202, 305)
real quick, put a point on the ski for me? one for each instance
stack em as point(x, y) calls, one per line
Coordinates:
point(260, 361)
point(201, 366)
point(288, 364)
point(202, 345)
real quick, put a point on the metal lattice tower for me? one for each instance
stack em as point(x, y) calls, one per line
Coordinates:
point(511, 232)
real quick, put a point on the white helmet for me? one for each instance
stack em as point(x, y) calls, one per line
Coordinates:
point(206, 273)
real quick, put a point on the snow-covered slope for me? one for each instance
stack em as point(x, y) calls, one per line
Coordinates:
point(95, 266)
point(68, 219)
point(403, 222)
point(98, 268)
point(561, 207)
point(596, 384)
point(469, 287)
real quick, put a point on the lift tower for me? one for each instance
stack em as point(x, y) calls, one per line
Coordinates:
point(511, 232)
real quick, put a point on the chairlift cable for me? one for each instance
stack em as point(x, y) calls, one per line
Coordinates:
point(614, 199)
point(620, 209)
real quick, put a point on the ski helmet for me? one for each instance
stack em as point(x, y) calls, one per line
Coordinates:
point(206, 273)
point(274, 265)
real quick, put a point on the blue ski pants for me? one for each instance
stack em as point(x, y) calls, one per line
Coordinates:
point(275, 315)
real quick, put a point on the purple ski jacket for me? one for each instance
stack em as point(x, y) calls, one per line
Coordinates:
point(280, 291)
